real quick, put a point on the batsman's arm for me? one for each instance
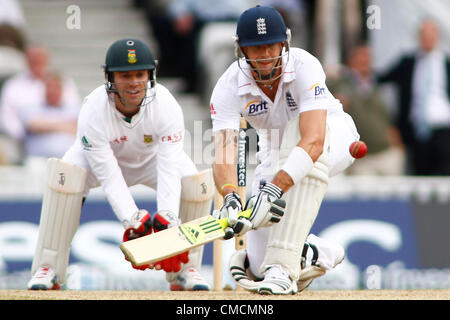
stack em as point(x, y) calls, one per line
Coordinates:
point(225, 160)
point(312, 126)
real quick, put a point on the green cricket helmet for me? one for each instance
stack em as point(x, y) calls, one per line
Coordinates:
point(128, 55)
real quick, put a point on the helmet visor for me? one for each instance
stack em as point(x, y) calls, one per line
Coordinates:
point(264, 71)
point(132, 94)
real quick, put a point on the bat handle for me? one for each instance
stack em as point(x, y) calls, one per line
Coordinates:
point(224, 221)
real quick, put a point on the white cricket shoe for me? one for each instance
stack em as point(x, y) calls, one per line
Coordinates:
point(189, 280)
point(43, 279)
point(277, 281)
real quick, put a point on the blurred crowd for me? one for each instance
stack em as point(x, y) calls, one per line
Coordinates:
point(415, 139)
point(39, 106)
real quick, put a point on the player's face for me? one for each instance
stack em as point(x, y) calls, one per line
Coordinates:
point(131, 86)
point(264, 58)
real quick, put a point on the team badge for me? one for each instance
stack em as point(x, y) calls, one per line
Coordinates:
point(290, 100)
point(132, 56)
point(148, 138)
point(261, 25)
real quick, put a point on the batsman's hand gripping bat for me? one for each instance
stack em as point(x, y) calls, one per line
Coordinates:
point(170, 242)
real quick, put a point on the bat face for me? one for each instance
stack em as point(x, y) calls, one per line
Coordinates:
point(170, 242)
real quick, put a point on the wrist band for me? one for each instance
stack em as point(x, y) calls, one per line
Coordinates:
point(225, 185)
point(298, 164)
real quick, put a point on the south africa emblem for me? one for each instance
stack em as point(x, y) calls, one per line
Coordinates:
point(132, 56)
point(148, 138)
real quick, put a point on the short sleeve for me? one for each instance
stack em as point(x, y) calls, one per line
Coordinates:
point(311, 85)
point(224, 107)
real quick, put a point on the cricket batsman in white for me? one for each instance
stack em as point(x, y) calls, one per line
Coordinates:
point(304, 136)
point(130, 131)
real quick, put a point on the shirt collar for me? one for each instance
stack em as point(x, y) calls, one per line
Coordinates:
point(246, 83)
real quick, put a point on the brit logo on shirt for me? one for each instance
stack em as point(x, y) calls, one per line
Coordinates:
point(319, 92)
point(256, 107)
point(290, 101)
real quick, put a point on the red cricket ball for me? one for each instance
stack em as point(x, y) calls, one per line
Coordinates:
point(358, 149)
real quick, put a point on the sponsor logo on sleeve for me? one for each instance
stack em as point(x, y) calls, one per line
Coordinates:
point(172, 138)
point(318, 90)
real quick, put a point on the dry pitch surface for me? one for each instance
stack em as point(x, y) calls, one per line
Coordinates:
point(225, 295)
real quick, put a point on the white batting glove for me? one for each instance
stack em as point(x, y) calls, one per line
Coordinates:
point(231, 207)
point(268, 207)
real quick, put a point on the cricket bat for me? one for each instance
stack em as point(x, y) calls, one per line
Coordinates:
point(242, 173)
point(240, 242)
point(170, 242)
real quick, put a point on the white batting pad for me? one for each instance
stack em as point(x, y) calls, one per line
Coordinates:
point(197, 193)
point(60, 216)
point(303, 200)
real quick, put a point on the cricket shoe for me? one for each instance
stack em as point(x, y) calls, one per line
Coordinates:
point(277, 281)
point(319, 256)
point(189, 280)
point(43, 279)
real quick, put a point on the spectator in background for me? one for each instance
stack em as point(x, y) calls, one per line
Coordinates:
point(423, 82)
point(27, 90)
point(177, 26)
point(357, 90)
point(12, 39)
point(50, 127)
point(295, 13)
point(11, 13)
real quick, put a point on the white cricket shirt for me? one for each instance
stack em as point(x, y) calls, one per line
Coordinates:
point(116, 146)
point(302, 88)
